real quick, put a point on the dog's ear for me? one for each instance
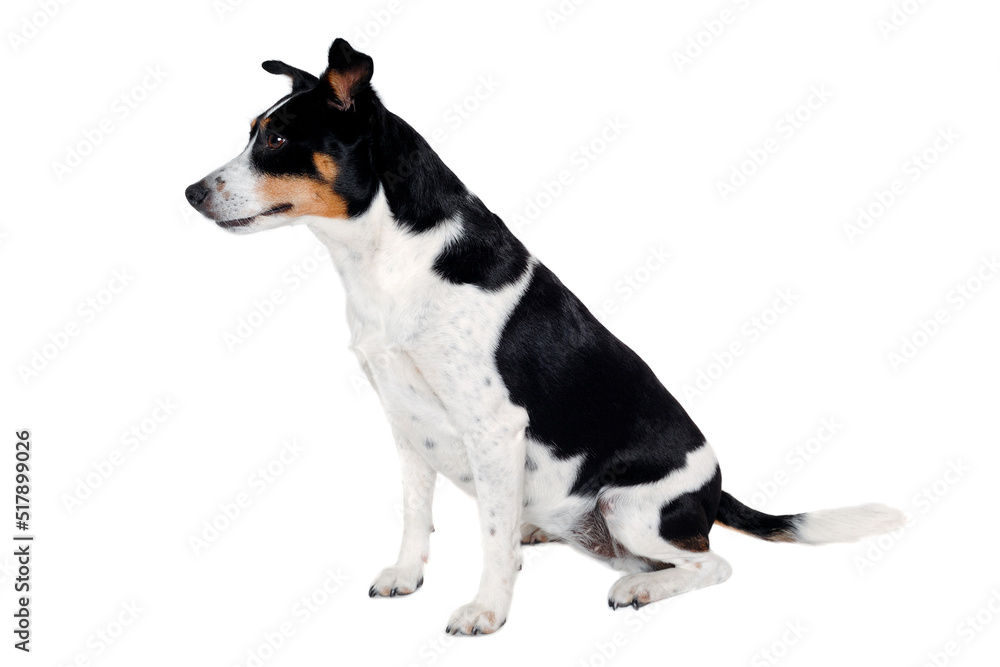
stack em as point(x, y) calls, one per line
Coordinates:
point(349, 73)
point(301, 80)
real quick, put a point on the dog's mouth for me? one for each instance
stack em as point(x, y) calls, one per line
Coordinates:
point(241, 222)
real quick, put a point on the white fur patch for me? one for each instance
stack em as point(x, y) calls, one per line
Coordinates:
point(427, 345)
point(546, 488)
point(234, 195)
point(847, 524)
point(636, 590)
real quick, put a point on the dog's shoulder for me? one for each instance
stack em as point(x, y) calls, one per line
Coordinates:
point(485, 253)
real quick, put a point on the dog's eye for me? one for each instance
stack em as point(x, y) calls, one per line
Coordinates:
point(275, 141)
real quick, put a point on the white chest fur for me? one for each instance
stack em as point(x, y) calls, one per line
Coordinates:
point(418, 336)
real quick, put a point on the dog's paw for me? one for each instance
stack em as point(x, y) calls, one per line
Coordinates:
point(475, 619)
point(395, 581)
point(534, 535)
point(630, 591)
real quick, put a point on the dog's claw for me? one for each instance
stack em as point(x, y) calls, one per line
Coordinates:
point(395, 582)
point(635, 604)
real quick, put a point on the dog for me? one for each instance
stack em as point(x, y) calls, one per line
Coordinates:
point(491, 372)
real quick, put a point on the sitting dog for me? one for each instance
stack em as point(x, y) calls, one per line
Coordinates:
point(491, 372)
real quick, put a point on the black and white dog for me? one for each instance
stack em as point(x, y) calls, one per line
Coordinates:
point(491, 372)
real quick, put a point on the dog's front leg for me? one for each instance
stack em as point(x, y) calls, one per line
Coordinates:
point(407, 574)
point(496, 450)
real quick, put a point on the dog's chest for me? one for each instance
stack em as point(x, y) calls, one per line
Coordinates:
point(415, 412)
point(425, 342)
point(388, 331)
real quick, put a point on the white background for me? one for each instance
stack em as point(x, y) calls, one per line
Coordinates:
point(900, 427)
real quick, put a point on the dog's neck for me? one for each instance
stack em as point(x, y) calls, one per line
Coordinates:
point(383, 264)
point(420, 189)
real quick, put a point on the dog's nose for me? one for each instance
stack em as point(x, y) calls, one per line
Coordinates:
point(196, 193)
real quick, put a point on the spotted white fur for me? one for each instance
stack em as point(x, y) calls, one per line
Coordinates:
point(427, 347)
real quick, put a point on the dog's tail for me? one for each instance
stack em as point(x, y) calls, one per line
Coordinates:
point(843, 524)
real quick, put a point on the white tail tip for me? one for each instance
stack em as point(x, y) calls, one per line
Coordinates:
point(847, 524)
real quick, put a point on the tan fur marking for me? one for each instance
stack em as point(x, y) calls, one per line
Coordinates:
point(343, 83)
point(326, 167)
point(308, 196)
point(777, 537)
point(697, 543)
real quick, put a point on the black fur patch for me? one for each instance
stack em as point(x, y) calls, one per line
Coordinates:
point(486, 254)
point(587, 393)
point(686, 520)
point(421, 190)
point(301, 80)
point(734, 514)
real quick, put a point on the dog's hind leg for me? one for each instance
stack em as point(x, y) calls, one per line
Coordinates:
point(665, 524)
point(689, 572)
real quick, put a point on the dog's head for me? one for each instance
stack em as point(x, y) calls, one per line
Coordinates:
point(308, 154)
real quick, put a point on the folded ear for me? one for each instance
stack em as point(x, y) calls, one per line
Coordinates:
point(349, 73)
point(301, 80)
